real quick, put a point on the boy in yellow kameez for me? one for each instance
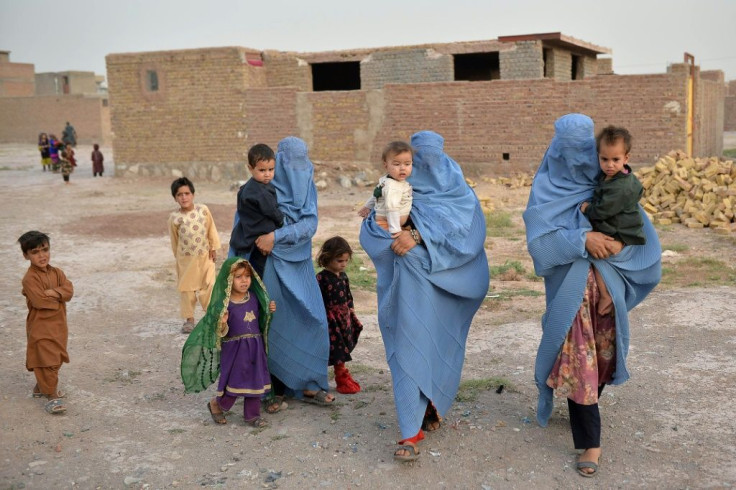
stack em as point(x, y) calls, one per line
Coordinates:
point(194, 241)
point(47, 290)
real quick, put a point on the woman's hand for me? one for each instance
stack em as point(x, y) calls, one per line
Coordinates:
point(272, 306)
point(403, 243)
point(601, 246)
point(265, 243)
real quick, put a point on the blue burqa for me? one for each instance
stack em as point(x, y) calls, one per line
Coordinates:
point(555, 233)
point(428, 297)
point(298, 341)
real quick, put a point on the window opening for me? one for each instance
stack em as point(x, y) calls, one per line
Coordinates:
point(546, 57)
point(477, 66)
point(506, 156)
point(152, 80)
point(336, 76)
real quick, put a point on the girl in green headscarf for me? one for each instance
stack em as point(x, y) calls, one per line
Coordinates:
point(231, 340)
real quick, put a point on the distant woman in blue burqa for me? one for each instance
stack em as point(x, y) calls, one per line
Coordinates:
point(430, 284)
point(298, 343)
point(581, 351)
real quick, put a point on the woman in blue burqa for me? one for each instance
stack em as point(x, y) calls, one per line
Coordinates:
point(298, 343)
point(581, 351)
point(432, 279)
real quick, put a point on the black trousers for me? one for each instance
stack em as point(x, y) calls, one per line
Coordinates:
point(277, 386)
point(585, 422)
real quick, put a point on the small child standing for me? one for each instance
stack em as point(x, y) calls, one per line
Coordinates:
point(258, 210)
point(342, 323)
point(44, 147)
point(614, 208)
point(97, 159)
point(54, 146)
point(237, 323)
point(68, 162)
point(47, 290)
point(392, 196)
point(194, 241)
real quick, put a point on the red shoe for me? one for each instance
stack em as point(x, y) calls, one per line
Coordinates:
point(345, 383)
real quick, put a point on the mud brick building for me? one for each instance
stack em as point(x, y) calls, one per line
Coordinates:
point(195, 112)
point(729, 119)
point(31, 103)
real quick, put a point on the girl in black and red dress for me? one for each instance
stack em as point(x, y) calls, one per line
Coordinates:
point(344, 326)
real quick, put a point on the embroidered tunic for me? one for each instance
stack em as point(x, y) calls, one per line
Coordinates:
point(342, 323)
point(193, 235)
point(243, 362)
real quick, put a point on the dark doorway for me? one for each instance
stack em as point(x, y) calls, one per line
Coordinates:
point(477, 66)
point(577, 67)
point(336, 76)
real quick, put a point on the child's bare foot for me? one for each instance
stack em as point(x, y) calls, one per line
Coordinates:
point(216, 412)
point(605, 304)
point(587, 464)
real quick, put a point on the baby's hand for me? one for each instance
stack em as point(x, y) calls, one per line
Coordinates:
point(364, 212)
point(272, 306)
point(584, 206)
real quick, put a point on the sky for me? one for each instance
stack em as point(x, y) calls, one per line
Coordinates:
point(645, 35)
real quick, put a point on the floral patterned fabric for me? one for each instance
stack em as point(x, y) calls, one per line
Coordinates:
point(588, 355)
point(342, 323)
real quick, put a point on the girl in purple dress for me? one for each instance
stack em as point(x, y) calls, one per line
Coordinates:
point(231, 340)
point(342, 323)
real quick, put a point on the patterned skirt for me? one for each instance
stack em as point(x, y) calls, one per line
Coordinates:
point(588, 355)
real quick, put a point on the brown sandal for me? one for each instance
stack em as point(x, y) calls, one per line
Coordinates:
point(276, 404)
point(219, 418)
point(258, 422)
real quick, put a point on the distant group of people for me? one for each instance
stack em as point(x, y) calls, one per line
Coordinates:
point(272, 326)
point(59, 156)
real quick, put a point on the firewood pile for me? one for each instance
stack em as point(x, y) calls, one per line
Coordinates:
point(697, 192)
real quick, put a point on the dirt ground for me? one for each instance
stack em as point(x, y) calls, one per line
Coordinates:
point(129, 424)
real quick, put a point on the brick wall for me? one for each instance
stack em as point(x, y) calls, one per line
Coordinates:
point(405, 66)
point(559, 64)
point(709, 114)
point(16, 79)
point(729, 107)
point(483, 120)
point(23, 118)
point(270, 115)
point(523, 61)
point(193, 124)
point(287, 70)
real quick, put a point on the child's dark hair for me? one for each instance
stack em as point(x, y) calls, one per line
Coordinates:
point(610, 134)
point(33, 239)
point(260, 153)
point(97, 147)
point(334, 247)
point(181, 182)
point(396, 147)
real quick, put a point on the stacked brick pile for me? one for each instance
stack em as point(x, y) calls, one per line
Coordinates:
point(696, 192)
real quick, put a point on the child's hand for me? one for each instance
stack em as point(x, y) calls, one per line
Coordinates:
point(225, 316)
point(52, 294)
point(364, 212)
point(272, 306)
point(584, 206)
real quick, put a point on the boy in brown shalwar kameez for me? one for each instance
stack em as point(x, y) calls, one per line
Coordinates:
point(47, 290)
